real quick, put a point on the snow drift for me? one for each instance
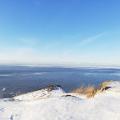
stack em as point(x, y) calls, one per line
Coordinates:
point(54, 104)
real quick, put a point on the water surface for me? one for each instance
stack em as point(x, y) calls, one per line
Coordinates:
point(21, 79)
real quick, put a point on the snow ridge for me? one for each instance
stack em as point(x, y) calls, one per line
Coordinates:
point(53, 103)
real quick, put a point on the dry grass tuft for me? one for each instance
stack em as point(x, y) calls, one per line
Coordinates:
point(91, 91)
point(104, 84)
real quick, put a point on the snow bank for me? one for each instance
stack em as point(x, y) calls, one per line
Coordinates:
point(41, 94)
point(59, 105)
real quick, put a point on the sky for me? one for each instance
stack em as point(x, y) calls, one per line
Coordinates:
point(60, 32)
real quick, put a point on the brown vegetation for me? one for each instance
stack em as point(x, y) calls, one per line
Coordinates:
point(91, 91)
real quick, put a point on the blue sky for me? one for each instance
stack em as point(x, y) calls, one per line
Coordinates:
point(60, 32)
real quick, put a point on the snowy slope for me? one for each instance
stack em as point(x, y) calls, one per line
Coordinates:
point(51, 91)
point(57, 105)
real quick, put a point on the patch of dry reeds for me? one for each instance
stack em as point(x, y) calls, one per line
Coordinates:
point(91, 91)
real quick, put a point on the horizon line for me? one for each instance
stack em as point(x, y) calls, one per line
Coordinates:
point(61, 65)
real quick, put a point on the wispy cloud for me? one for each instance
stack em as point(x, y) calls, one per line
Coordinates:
point(77, 45)
point(90, 40)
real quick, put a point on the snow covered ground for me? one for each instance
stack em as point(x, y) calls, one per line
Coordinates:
point(55, 104)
